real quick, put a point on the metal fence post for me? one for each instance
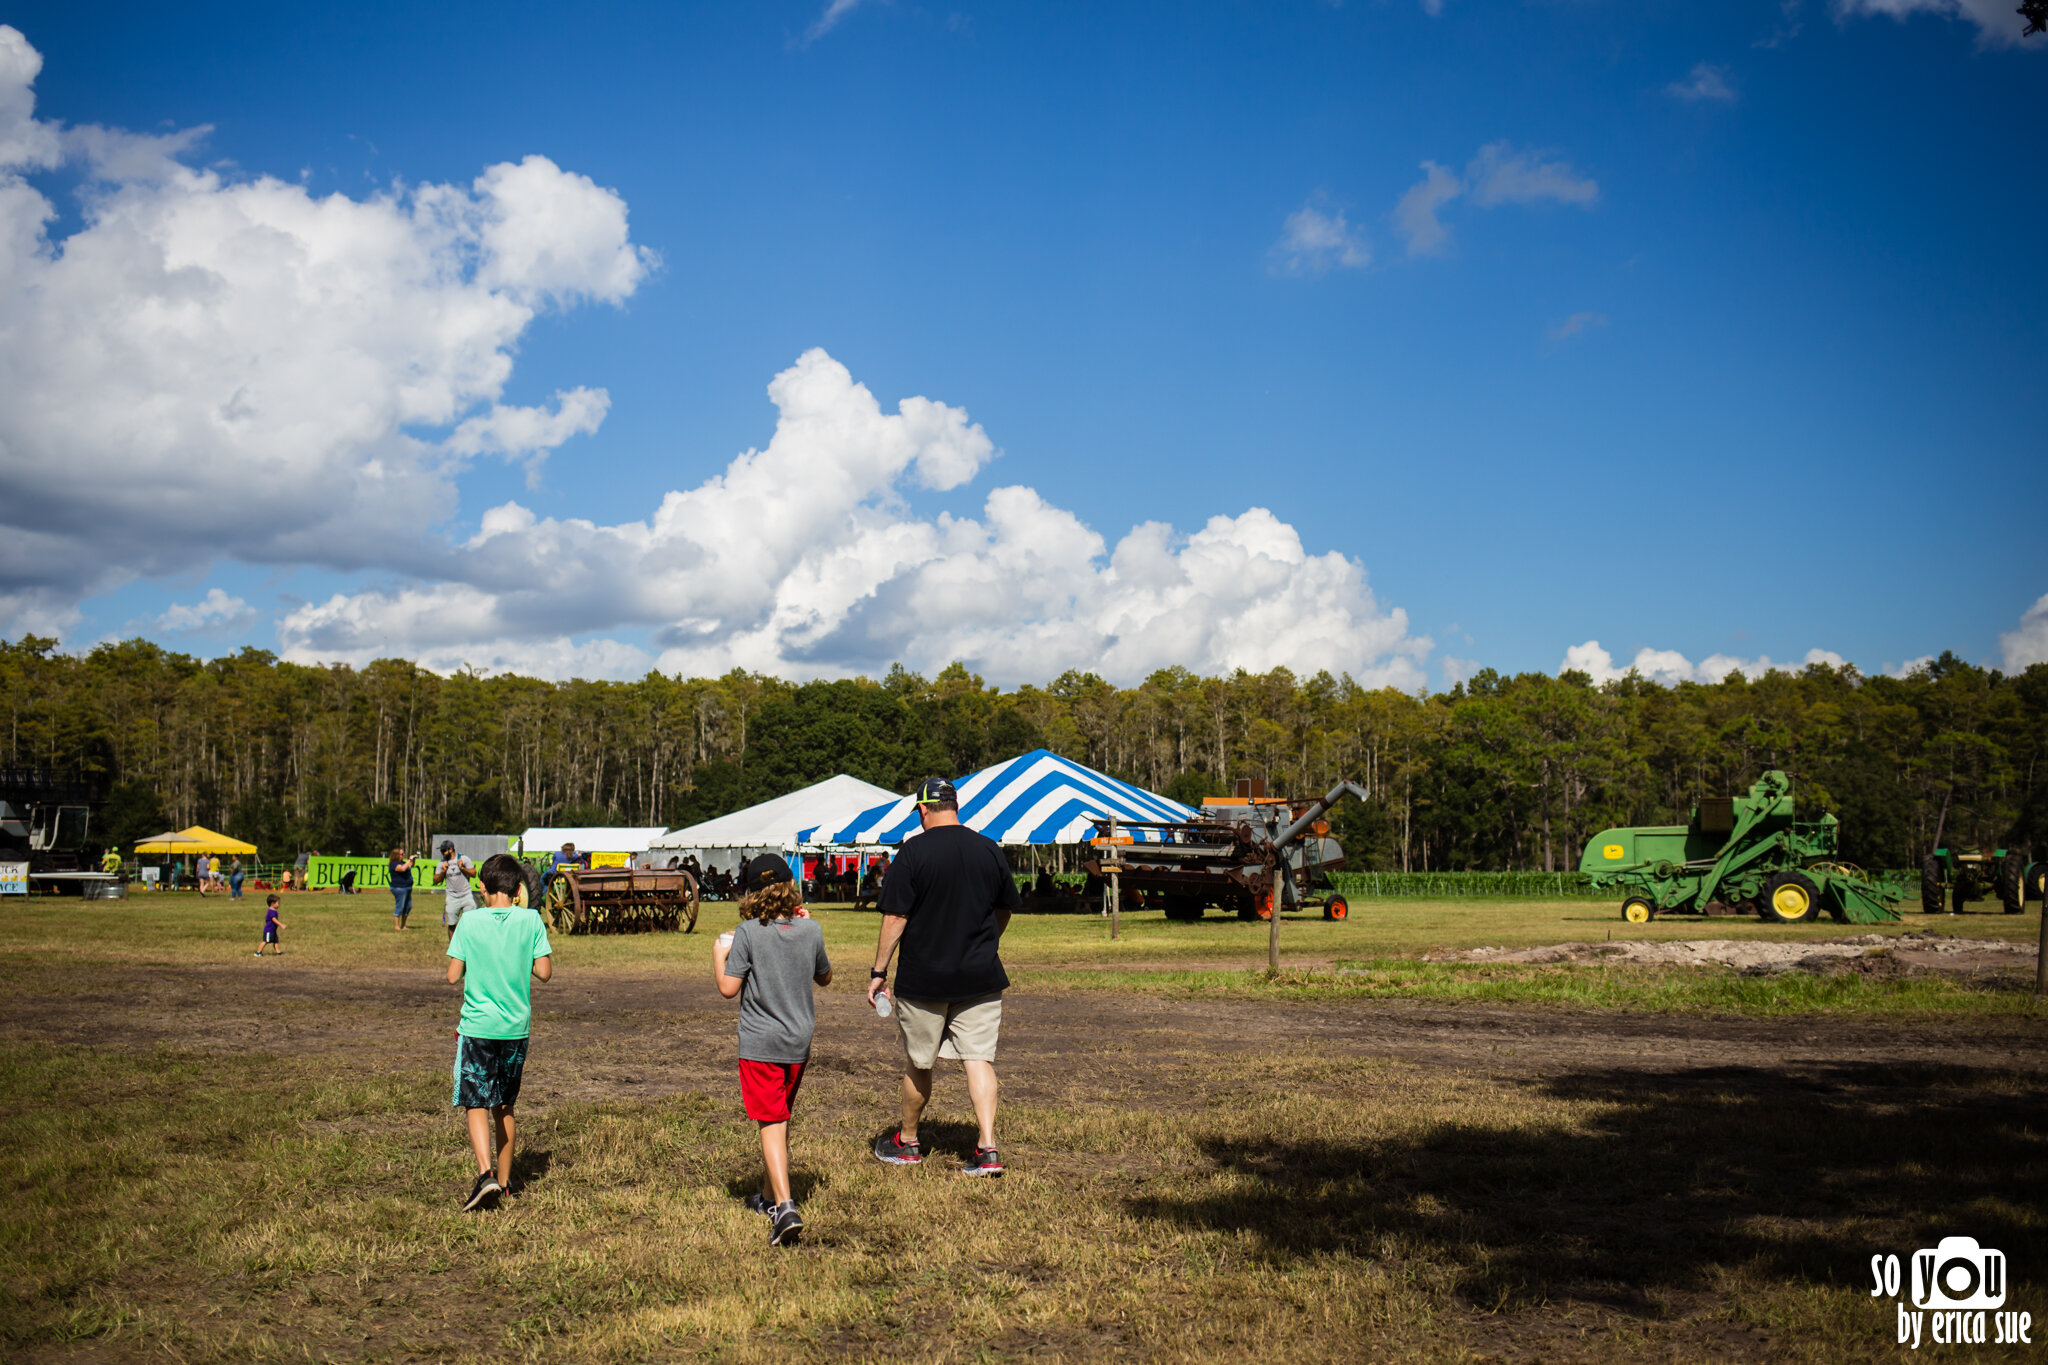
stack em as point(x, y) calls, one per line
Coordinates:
point(1116, 900)
point(1273, 924)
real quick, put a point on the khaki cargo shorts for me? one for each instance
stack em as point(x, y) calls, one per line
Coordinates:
point(958, 1030)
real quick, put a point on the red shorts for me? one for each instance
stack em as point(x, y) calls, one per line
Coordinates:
point(768, 1089)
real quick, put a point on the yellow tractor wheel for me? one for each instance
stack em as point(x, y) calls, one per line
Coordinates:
point(1638, 910)
point(1790, 898)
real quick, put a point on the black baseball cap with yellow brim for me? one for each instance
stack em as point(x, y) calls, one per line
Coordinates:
point(936, 791)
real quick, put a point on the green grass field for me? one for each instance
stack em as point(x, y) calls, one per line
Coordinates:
point(207, 1158)
point(1373, 954)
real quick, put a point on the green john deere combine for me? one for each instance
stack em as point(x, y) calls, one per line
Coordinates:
point(1738, 854)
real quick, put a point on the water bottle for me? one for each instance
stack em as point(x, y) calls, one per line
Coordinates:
point(882, 1005)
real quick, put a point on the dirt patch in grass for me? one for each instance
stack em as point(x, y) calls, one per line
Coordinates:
point(1937, 954)
point(635, 1035)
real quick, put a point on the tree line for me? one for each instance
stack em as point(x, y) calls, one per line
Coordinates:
point(1499, 772)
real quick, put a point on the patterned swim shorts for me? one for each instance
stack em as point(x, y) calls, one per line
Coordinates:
point(488, 1071)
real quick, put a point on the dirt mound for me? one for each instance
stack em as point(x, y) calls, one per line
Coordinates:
point(1856, 952)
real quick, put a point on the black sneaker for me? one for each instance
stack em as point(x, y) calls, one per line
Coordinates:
point(758, 1203)
point(484, 1193)
point(985, 1161)
point(891, 1147)
point(787, 1227)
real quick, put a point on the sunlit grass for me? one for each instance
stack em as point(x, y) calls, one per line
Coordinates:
point(356, 932)
point(1308, 1208)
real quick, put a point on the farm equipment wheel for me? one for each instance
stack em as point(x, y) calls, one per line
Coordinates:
point(555, 904)
point(1186, 909)
point(1638, 910)
point(2037, 881)
point(1790, 898)
point(1336, 908)
point(2012, 883)
point(1930, 885)
point(1965, 889)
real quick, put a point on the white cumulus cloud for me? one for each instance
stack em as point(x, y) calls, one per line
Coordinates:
point(215, 611)
point(1998, 21)
point(203, 341)
point(2027, 643)
point(533, 432)
point(1669, 667)
point(802, 559)
point(1312, 241)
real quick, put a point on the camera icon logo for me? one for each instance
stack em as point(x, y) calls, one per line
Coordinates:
point(1958, 1274)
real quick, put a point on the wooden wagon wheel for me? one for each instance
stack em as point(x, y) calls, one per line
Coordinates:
point(556, 905)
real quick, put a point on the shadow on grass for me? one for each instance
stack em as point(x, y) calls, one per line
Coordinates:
point(1672, 1179)
point(802, 1183)
point(947, 1139)
point(529, 1165)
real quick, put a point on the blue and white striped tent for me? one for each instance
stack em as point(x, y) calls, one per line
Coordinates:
point(1039, 798)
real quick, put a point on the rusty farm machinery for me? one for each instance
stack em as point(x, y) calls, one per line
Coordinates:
point(1251, 856)
point(619, 900)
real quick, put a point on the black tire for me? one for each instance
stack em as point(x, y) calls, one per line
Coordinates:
point(1790, 898)
point(1186, 909)
point(1336, 908)
point(2012, 883)
point(1930, 885)
point(1638, 910)
point(2037, 881)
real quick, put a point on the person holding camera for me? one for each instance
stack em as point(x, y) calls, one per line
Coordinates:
point(455, 872)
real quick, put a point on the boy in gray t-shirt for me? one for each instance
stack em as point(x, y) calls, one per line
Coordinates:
point(770, 962)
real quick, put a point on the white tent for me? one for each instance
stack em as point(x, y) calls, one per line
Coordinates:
point(599, 840)
point(771, 827)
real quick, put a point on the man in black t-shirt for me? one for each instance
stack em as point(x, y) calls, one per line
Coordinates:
point(946, 902)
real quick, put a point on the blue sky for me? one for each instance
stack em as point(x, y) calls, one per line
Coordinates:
point(1727, 340)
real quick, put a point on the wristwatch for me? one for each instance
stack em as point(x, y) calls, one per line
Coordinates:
point(874, 975)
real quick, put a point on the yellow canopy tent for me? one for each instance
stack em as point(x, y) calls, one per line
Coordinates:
point(197, 839)
point(172, 842)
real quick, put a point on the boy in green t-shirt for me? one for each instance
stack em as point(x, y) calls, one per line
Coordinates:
point(495, 954)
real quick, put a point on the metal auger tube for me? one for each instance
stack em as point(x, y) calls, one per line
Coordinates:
point(1315, 812)
point(1279, 869)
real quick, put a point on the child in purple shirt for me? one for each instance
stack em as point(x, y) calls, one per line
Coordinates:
point(271, 924)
